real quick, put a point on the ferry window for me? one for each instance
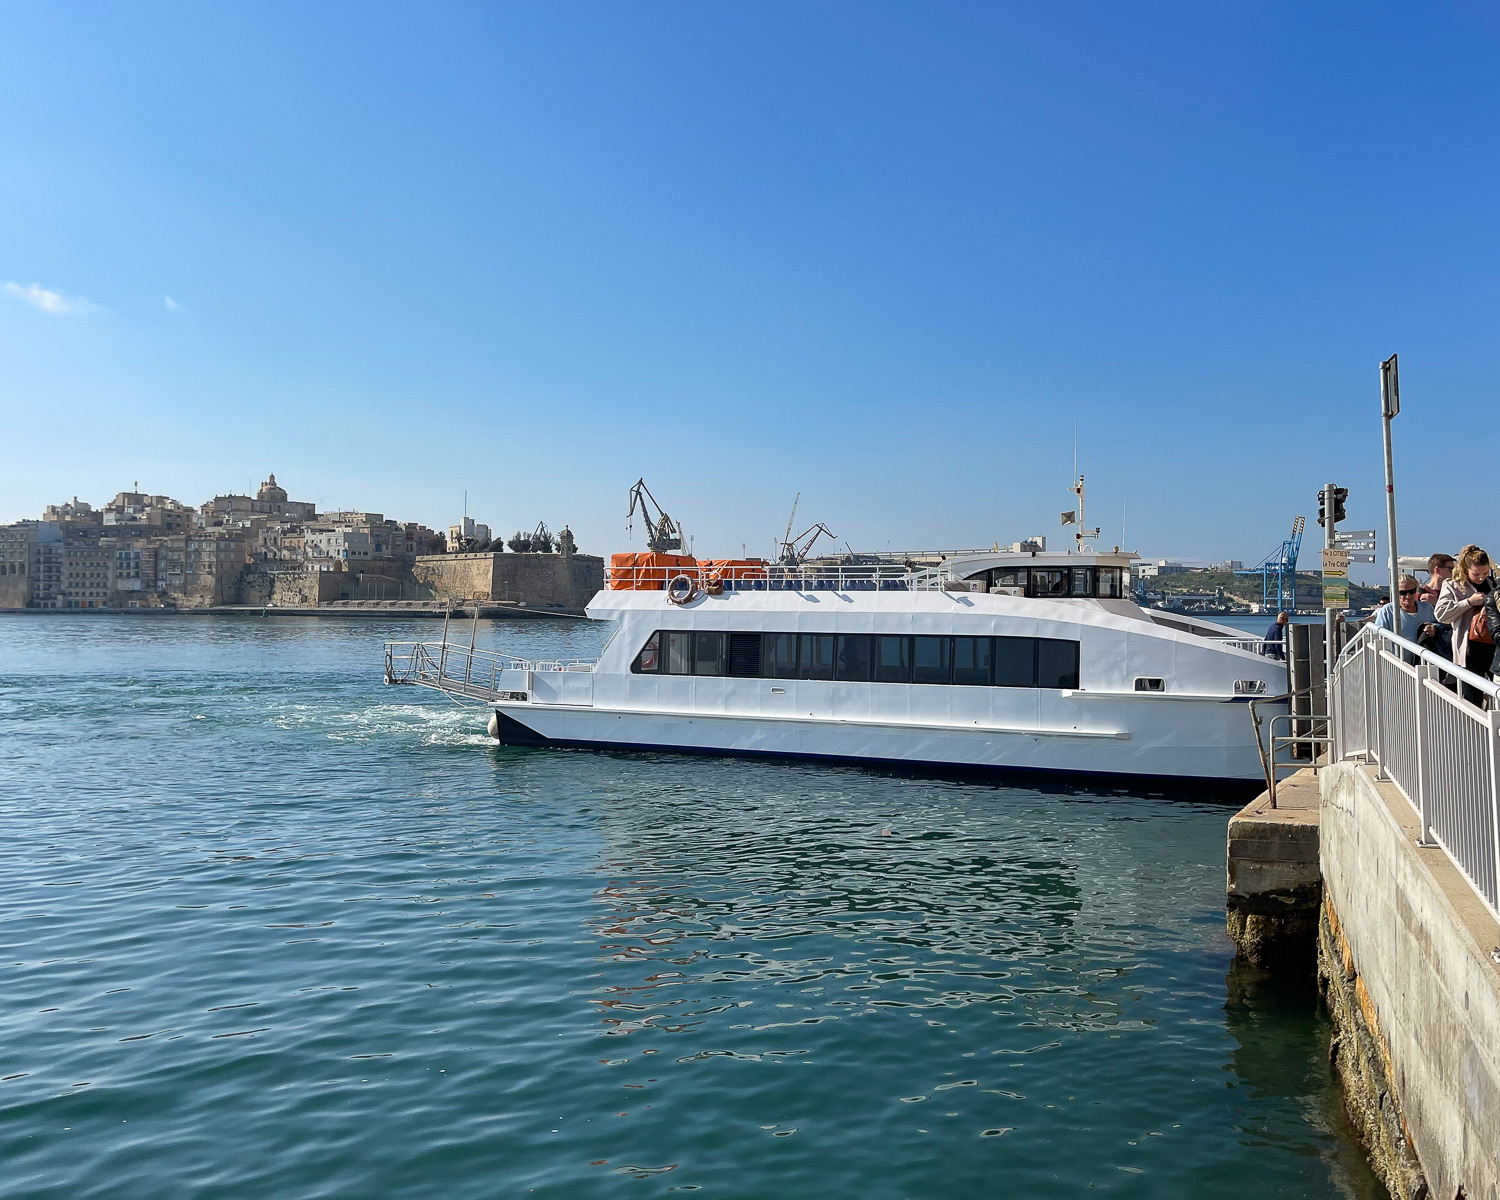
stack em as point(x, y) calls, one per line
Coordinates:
point(1015, 662)
point(1083, 581)
point(679, 653)
point(1010, 577)
point(815, 656)
point(931, 661)
point(1109, 583)
point(709, 653)
point(1048, 582)
point(1057, 663)
point(892, 659)
point(744, 655)
point(646, 660)
point(971, 660)
point(778, 655)
point(852, 657)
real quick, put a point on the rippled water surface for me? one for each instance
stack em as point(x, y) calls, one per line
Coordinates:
point(269, 928)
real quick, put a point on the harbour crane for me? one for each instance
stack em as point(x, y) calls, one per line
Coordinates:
point(794, 550)
point(662, 533)
point(1280, 564)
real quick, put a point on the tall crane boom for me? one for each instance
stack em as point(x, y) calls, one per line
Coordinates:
point(662, 533)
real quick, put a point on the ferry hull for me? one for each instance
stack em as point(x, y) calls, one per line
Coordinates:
point(1205, 744)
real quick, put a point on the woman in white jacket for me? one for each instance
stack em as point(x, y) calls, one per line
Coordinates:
point(1461, 599)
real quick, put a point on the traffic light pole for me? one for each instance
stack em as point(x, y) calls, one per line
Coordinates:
point(1330, 507)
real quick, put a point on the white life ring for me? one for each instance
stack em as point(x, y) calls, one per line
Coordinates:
point(681, 589)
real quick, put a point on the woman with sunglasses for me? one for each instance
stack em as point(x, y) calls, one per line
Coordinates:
point(1418, 623)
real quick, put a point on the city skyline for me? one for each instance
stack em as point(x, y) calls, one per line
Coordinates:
point(882, 258)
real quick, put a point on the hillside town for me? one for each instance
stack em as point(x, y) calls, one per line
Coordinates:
point(150, 551)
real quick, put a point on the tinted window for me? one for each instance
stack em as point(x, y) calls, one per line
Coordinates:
point(1057, 663)
point(1049, 582)
point(852, 657)
point(647, 659)
point(779, 655)
point(1083, 581)
point(815, 656)
point(1109, 582)
point(892, 659)
point(971, 660)
point(1015, 662)
point(1010, 577)
point(679, 653)
point(930, 660)
point(709, 653)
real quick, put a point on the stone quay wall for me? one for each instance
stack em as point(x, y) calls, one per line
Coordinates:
point(1409, 963)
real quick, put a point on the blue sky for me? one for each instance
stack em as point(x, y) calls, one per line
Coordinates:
point(881, 254)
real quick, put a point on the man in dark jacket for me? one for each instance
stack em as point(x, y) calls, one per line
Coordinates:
point(1276, 637)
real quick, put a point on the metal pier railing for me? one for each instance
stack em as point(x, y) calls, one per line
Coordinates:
point(1398, 706)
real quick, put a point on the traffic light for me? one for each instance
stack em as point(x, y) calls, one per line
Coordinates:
point(1340, 494)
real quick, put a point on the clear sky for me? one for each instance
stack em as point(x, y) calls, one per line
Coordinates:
point(881, 254)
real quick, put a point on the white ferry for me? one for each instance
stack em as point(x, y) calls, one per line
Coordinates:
point(1019, 661)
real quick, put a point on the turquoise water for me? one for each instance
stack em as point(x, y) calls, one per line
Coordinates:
point(270, 928)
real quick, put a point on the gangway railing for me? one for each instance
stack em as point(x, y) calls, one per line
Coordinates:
point(462, 670)
point(1398, 706)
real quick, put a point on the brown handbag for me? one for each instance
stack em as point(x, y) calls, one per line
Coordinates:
point(1479, 626)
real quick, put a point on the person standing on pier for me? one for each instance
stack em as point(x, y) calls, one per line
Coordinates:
point(1276, 637)
point(1418, 622)
point(1467, 604)
point(1439, 571)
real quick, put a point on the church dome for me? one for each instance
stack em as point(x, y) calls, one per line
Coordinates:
point(269, 491)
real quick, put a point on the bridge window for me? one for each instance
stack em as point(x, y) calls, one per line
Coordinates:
point(679, 653)
point(1109, 583)
point(1046, 581)
point(1083, 581)
point(646, 660)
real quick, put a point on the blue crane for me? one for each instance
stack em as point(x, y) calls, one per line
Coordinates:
point(1281, 565)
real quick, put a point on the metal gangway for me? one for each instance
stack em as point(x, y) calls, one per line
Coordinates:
point(1398, 706)
point(463, 672)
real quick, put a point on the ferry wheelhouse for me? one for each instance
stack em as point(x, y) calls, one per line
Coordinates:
point(1019, 661)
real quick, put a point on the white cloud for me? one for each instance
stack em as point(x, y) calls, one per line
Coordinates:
point(172, 305)
point(44, 300)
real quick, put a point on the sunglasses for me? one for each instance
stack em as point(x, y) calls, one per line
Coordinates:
point(1407, 592)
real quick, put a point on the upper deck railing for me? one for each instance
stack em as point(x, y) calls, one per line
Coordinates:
point(1398, 706)
point(820, 577)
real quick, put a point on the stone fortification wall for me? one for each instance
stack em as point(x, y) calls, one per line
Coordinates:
point(535, 580)
point(289, 589)
point(1408, 963)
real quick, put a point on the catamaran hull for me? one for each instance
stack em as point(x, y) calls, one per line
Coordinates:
point(1200, 743)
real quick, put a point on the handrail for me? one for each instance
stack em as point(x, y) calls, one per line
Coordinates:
point(462, 670)
point(1393, 705)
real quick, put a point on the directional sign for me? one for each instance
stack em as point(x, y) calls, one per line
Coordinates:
point(1340, 536)
point(1335, 578)
point(1364, 558)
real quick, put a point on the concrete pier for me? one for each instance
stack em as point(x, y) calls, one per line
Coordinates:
point(1275, 883)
